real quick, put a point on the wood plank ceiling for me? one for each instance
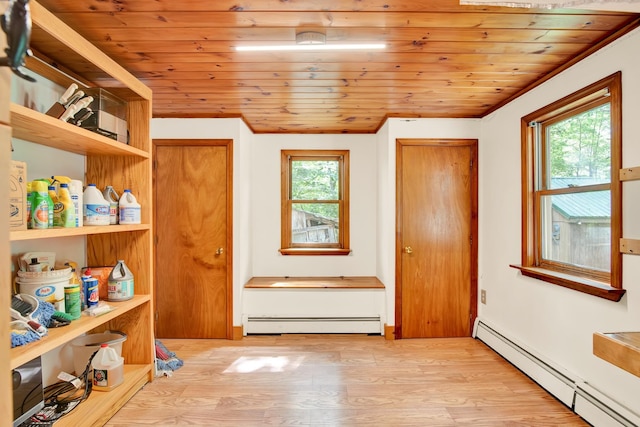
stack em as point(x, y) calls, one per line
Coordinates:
point(441, 59)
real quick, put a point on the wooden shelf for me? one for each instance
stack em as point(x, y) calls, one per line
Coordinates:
point(15, 236)
point(619, 348)
point(101, 405)
point(33, 126)
point(59, 336)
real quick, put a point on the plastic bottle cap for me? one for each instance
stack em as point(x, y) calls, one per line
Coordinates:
point(104, 345)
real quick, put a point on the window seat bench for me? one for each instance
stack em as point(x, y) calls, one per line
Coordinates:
point(341, 304)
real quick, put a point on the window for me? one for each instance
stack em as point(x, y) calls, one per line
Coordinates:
point(571, 192)
point(315, 202)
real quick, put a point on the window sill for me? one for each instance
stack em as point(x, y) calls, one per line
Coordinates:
point(314, 251)
point(580, 284)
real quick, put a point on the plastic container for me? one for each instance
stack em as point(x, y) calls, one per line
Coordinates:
point(45, 286)
point(77, 197)
point(95, 209)
point(40, 205)
point(112, 197)
point(120, 286)
point(129, 208)
point(72, 302)
point(57, 207)
point(68, 214)
point(84, 346)
point(90, 291)
point(108, 369)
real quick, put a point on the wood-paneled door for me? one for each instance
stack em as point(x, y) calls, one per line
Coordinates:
point(193, 191)
point(436, 239)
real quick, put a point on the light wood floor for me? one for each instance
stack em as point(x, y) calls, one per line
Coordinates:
point(342, 380)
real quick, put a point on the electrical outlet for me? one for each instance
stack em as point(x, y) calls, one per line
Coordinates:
point(483, 296)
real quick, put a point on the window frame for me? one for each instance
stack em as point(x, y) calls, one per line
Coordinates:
point(606, 285)
point(287, 246)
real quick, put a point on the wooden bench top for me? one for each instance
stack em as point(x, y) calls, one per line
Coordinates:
point(338, 282)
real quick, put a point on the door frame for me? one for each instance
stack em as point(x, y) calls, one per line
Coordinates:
point(473, 274)
point(228, 143)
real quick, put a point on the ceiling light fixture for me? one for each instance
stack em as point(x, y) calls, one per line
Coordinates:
point(310, 41)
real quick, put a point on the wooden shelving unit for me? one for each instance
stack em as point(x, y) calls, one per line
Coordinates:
point(108, 162)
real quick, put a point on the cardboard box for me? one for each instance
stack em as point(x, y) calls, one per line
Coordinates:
point(17, 196)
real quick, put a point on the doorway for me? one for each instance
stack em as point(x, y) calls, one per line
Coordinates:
point(192, 197)
point(436, 239)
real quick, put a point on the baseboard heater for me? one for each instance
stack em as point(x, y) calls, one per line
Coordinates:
point(584, 400)
point(310, 324)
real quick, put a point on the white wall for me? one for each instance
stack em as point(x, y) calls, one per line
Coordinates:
point(555, 322)
point(265, 189)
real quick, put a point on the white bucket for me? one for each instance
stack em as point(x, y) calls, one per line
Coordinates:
point(85, 345)
point(45, 286)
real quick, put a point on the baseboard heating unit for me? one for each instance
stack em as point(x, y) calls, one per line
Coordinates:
point(309, 325)
point(584, 400)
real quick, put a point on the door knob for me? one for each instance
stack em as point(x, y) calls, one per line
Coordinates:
point(219, 251)
point(408, 250)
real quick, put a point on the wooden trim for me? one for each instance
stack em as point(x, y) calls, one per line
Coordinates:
point(211, 142)
point(389, 332)
point(630, 246)
point(630, 174)
point(622, 349)
point(238, 333)
point(314, 251)
point(341, 282)
point(443, 142)
point(581, 284)
point(531, 256)
point(287, 247)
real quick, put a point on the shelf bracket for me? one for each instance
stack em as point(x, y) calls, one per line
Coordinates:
point(630, 246)
point(630, 174)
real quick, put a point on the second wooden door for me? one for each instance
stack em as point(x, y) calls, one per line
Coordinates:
point(436, 256)
point(193, 289)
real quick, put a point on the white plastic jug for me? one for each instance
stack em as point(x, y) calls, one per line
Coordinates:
point(112, 197)
point(108, 369)
point(129, 208)
point(77, 197)
point(95, 208)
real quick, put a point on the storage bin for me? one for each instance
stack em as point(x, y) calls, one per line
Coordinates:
point(86, 345)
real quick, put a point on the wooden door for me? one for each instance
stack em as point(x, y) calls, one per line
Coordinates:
point(436, 282)
point(193, 248)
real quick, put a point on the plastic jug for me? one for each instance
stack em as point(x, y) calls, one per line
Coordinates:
point(40, 205)
point(129, 208)
point(112, 197)
point(77, 197)
point(108, 369)
point(95, 208)
point(120, 285)
point(68, 214)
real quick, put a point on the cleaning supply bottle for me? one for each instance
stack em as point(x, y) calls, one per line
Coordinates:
point(29, 202)
point(95, 207)
point(108, 369)
point(75, 189)
point(40, 205)
point(68, 214)
point(120, 284)
point(51, 207)
point(57, 207)
point(112, 197)
point(129, 208)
